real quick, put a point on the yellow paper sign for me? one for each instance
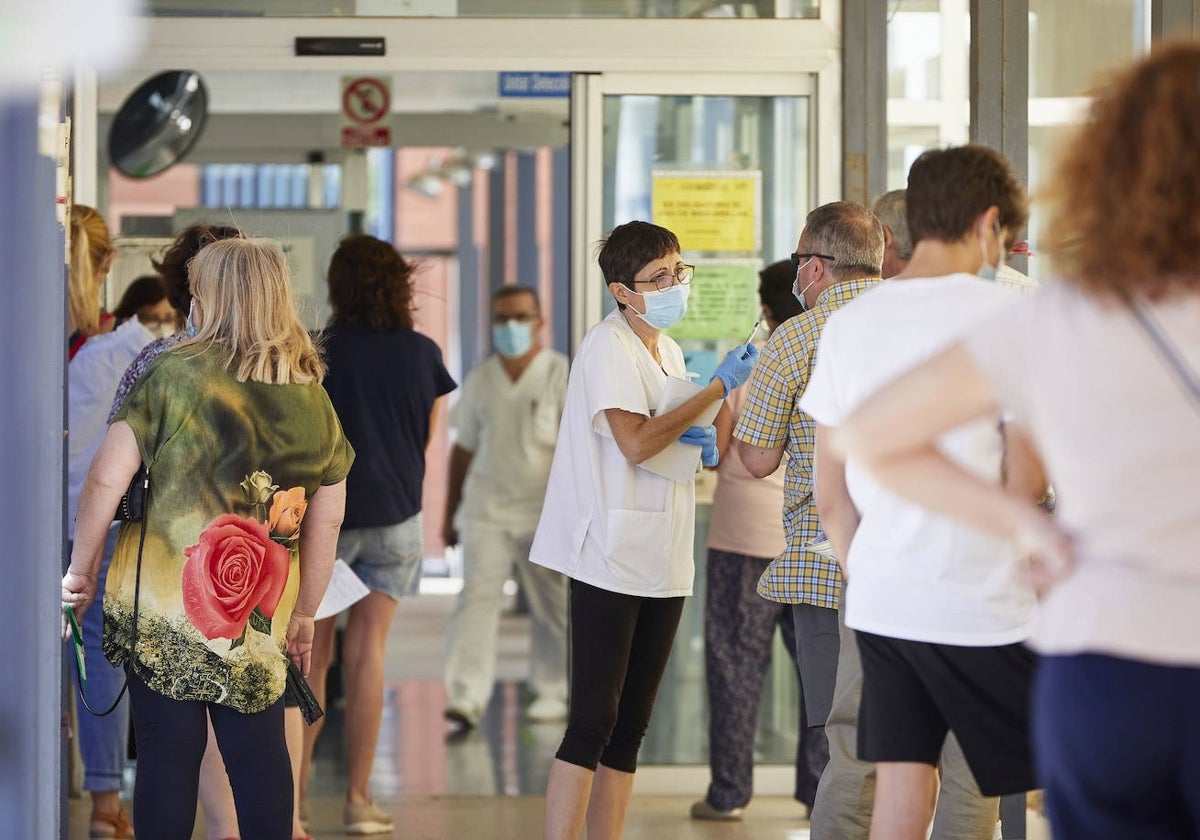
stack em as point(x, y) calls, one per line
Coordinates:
point(710, 211)
point(723, 303)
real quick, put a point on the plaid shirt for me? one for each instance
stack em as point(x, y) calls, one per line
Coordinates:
point(769, 418)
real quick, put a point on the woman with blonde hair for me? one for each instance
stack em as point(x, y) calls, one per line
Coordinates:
point(92, 254)
point(247, 465)
point(1103, 367)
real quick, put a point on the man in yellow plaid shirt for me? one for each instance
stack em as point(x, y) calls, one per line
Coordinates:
point(839, 255)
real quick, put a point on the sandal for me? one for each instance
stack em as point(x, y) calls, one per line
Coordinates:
point(116, 826)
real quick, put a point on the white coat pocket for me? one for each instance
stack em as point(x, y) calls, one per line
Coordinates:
point(637, 547)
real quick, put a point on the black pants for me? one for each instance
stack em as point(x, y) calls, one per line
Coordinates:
point(619, 649)
point(171, 736)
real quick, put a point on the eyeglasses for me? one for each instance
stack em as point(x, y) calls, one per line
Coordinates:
point(800, 260)
point(682, 276)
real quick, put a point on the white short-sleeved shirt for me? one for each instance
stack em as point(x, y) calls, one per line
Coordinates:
point(1121, 440)
point(92, 380)
point(606, 521)
point(510, 427)
point(915, 574)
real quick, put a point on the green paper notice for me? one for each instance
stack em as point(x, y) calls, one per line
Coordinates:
point(723, 303)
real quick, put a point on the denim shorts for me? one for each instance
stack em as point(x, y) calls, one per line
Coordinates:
point(388, 558)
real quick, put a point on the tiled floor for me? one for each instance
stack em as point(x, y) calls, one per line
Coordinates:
point(489, 784)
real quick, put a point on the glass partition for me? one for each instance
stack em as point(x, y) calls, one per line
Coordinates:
point(731, 176)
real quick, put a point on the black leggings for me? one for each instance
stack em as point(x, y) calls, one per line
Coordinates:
point(619, 649)
point(171, 736)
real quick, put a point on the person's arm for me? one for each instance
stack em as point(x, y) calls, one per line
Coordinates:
point(1024, 473)
point(435, 417)
point(839, 516)
point(460, 462)
point(760, 461)
point(640, 437)
point(116, 462)
point(894, 434)
point(724, 423)
point(318, 550)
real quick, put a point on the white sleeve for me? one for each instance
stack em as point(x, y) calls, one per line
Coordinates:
point(464, 417)
point(610, 377)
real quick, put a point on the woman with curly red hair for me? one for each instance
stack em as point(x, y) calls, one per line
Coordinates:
point(1103, 367)
point(385, 380)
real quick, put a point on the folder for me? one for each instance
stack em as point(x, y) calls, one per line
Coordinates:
point(679, 461)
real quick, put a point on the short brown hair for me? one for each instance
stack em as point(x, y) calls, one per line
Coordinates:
point(948, 189)
point(632, 246)
point(1121, 203)
point(370, 285)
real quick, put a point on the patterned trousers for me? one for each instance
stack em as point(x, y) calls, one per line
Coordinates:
point(739, 627)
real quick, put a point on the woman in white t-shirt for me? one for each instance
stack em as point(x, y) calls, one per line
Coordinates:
point(622, 533)
point(1102, 369)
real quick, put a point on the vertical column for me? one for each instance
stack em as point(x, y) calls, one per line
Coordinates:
point(864, 100)
point(497, 241)
point(470, 322)
point(560, 237)
point(32, 335)
point(1174, 17)
point(1000, 79)
point(525, 218)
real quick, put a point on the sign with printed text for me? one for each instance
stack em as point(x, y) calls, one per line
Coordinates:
point(366, 111)
point(723, 304)
point(710, 211)
point(535, 85)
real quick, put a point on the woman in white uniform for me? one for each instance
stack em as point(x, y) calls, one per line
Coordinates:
point(622, 533)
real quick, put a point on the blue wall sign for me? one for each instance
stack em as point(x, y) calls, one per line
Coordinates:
point(535, 84)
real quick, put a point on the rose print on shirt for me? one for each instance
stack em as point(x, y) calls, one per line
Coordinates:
point(287, 509)
point(235, 574)
point(234, 569)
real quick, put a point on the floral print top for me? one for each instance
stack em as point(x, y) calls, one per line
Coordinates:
point(232, 466)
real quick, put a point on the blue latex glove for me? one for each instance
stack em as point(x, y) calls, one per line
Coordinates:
point(735, 369)
point(706, 438)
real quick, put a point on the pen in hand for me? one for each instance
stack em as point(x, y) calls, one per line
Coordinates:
point(749, 338)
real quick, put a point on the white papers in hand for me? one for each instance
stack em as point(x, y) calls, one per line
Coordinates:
point(345, 588)
point(679, 461)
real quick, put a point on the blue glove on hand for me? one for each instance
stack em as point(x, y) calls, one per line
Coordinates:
point(706, 438)
point(736, 367)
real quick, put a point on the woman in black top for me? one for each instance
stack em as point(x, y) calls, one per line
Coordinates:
point(384, 380)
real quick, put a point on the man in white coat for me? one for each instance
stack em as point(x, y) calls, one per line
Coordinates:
point(507, 423)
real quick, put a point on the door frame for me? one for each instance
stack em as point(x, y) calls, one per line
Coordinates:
point(587, 152)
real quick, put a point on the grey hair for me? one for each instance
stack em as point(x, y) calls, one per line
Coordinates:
point(850, 234)
point(891, 210)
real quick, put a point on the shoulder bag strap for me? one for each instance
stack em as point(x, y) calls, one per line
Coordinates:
point(1167, 349)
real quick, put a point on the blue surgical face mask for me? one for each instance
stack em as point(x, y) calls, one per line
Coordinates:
point(512, 339)
point(192, 328)
point(666, 308)
point(987, 271)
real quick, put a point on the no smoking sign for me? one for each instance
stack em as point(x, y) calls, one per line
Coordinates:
point(366, 111)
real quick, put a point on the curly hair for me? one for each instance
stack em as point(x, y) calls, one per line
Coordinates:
point(1121, 204)
point(370, 285)
point(173, 268)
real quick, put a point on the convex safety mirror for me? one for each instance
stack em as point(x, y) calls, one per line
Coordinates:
point(158, 123)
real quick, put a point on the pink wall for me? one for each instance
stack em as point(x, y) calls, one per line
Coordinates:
point(179, 186)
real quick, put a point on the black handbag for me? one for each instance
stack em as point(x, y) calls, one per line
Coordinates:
point(133, 504)
point(302, 694)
